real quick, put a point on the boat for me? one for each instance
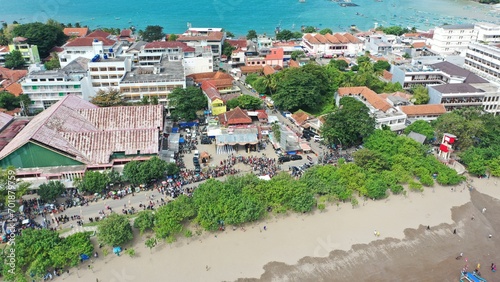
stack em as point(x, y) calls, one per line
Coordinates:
point(117, 18)
point(471, 277)
point(302, 1)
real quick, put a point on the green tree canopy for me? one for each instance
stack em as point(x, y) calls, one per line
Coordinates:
point(144, 172)
point(252, 34)
point(108, 98)
point(284, 35)
point(94, 182)
point(381, 65)
point(169, 219)
point(309, 29)
point(172, 37)
point(325, 31)
point(297, 54)
point(420, 95)
point(465, 124)
point(341, 65)
point(114, 230)
point(422, 127)
point(227, 49)
point(144, 221)
point(187, 102)
point(14, 60)
point(305, 88)
point(50, 191)
point(53, 63)
point(246, 102)
point(152, 33)
point(45, 36)
point(8, 101)
point(349, 124)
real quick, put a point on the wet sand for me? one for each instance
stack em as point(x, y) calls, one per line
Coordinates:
point(335, 245)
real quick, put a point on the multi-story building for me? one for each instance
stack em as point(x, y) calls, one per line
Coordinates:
point(423, 112)
point(89, 47)
point(384, 113)
point(264, 42)
point(4, 50)
point(201, 37)
point(45, 88)
point(414, 74)
point(449, 39)
point(487, 32)
point(484, 60)
point(330, 45)
point(380, 44)
point(157, 80)
point(29, 52)
point(195, 59)
point(459, 95)
point(107, 72)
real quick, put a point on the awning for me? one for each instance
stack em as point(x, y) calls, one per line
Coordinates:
point(305, 147)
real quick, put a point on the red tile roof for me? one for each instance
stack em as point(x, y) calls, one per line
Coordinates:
point(235, 116)
point(369, 95)
point(423, 110)
point(300, 117)
point(194, 36)
point(87, 41)
point(99, 33)
point(219, 80)
point(268, 70)
point(126, 33)
point(169, 44)
point(387, 75)
point(76, 31)
point(237, 43)
point(293, 64)
point(337, 38)
point(9, 79)
point(251, 69)
point(4, 49)
point(418, 44)
point(210, 90)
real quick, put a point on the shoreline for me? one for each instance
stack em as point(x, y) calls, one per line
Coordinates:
point(289, 240)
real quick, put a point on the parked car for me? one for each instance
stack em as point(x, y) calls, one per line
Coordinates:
point(206, 140)
point(284, 159)
point(196, 160)
point(295, 157)
point(318, 138)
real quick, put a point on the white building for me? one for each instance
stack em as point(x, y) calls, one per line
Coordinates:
point(385, 114)
point(487, 32)
point(329, 45)
point(459, 95)
point(89, 47)
point(201, 37)
point(449, 39)
point(107, 73)
point(484, 60)
point(46, 88)
point(157, 80)
point(195, 59)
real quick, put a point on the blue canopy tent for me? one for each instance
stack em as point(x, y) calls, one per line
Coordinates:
point(181, 140)
point(84, 257)
point(117, 250)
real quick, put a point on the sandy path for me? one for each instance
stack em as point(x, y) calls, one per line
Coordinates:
point(234, 254)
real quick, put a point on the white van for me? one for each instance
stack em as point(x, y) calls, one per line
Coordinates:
point(196, 154)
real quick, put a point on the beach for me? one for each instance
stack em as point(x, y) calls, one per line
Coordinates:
point(338, 244)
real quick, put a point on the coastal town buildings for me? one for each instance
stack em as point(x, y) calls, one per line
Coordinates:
point(458, 95)
point(76, 31)
point(29, 52)
point(4, 50)
point(99, 47)
point(74, 135)
point(450, 39)
point(487, 33)
point(107, 73)
point(201, 37)
point(46, 88)
point(484, 60)
point(385, 114)
point(157, 80)
point(331, 45)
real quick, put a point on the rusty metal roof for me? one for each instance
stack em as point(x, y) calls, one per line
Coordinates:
point(91, 134)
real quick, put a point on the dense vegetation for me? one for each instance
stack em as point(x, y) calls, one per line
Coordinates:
point(186, 102)
point(38, 251)
point(312, 87)
point(478, 139)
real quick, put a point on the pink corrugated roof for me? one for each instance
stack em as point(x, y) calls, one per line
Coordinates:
point(91, 134)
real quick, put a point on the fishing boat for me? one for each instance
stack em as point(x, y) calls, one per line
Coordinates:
point(471, 277)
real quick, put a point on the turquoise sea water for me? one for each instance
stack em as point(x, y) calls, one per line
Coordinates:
point(239, 16)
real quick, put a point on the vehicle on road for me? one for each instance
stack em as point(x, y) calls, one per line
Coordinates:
point(295, 157)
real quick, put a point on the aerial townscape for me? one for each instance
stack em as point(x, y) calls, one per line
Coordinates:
point(314, 153)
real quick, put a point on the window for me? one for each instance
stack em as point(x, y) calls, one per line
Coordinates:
point(34, 87)
point(77, 86)
point(61, 94)
point(112, 68)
